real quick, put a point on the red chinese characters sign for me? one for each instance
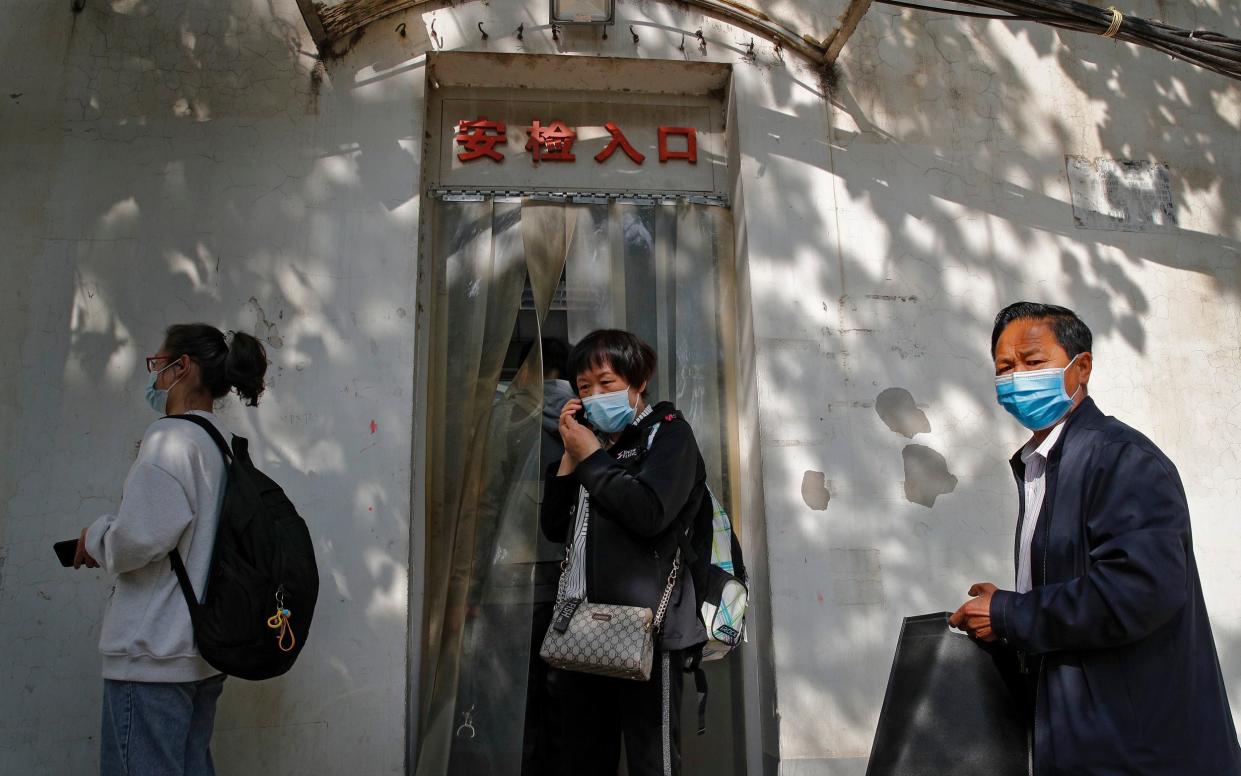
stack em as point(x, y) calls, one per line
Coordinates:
point(553, 143)
point(618, 141)
point(481, 138)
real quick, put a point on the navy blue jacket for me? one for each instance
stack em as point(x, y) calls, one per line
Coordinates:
point(1128, 681)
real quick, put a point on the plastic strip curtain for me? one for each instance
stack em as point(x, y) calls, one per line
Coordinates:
point(649, 268)
point(654, 270)
point(484, 472)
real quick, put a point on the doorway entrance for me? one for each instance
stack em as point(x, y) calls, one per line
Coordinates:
point(517, 281)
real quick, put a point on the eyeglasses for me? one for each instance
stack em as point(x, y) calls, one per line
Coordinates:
point(152, 360)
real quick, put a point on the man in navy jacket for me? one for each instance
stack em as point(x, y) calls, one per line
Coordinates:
point(1107, 618)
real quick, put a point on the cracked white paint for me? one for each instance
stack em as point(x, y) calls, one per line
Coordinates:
point(175, 160)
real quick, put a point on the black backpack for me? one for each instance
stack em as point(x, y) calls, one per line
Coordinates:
point(695, 541)
point(262, 583)
point(712, 582)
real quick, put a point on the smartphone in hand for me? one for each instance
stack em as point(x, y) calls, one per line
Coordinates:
point(580, 417)
point(65, 551)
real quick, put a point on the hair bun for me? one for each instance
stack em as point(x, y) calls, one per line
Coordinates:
point(245, 365)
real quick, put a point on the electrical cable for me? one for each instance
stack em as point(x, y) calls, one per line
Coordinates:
point(1203, 48)
point(952, 11)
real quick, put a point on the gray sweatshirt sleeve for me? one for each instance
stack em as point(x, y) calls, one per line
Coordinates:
point(154, 513)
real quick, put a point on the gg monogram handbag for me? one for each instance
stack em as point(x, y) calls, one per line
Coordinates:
point(605, 639)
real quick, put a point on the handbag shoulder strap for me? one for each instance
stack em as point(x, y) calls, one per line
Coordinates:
point(660, 612)
point(583, 499)
point(667, 596)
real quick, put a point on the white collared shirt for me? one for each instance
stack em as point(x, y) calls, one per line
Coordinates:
point(1035, 460)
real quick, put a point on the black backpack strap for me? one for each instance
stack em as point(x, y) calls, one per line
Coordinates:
point(739, 569)
point(687, 546)
point(648, 434)
point(651, 426)
point(693, 664)
point(187, 587)
point(178, 566)
point(693, 659)
point(212, 431)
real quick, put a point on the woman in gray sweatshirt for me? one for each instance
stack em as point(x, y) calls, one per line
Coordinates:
point(159, 695)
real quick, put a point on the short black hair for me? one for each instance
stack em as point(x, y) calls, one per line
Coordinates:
point(626, 354)
point(1070, 331)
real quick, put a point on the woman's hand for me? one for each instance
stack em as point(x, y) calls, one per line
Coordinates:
point(81, 557)
point(579, 441)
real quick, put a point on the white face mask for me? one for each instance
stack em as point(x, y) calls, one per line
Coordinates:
point(158, 397)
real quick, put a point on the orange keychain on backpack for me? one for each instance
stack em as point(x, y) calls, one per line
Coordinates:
point(280, 621)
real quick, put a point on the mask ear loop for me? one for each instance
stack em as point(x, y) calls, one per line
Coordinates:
point(168, 390)
point(1065, 371)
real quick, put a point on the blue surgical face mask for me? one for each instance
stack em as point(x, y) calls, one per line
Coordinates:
point(609, 412)
point(158, 397)
point(1038, 399)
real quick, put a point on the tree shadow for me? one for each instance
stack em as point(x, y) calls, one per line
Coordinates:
point(937, 195)
point(206, 168)
point(209, 168)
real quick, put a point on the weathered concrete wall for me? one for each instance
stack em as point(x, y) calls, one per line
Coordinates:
point(941, 195)
point(189, 160)
point(182, 161)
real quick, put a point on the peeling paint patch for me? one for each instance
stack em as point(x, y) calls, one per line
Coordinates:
point(265, 329)
point(814, 490)
point(926, 475)
point(897, 409)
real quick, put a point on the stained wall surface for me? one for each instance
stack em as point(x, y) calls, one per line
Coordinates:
point(194, 160)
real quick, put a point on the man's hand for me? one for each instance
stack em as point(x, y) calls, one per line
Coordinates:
point(974, 616)
point(579, 441)
point(81, 557)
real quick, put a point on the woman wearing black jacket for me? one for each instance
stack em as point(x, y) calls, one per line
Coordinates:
point(627, 485)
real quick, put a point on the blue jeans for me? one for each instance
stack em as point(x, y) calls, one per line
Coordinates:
point(158, 728)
